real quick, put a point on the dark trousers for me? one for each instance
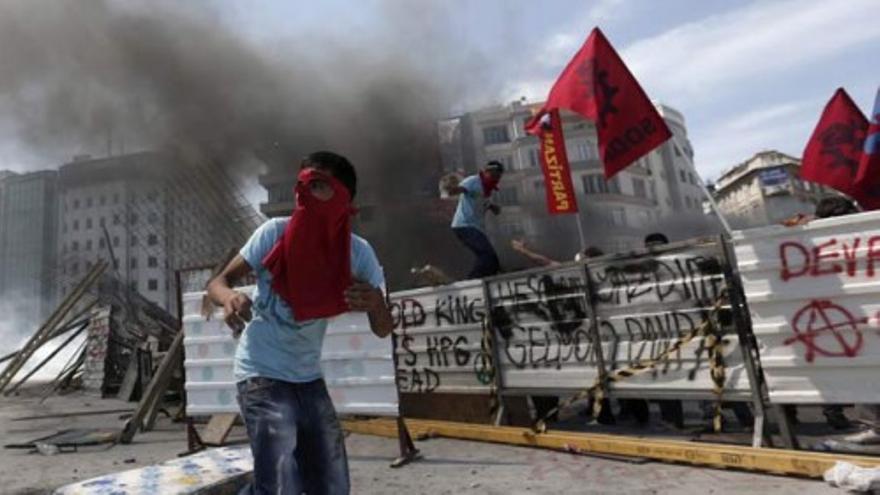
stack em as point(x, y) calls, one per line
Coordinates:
point(487, 260)
point(296, 440)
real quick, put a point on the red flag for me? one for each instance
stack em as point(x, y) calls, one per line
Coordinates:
point(554, 163)
point(868, 177)
point(833, 151)
point(597, 85)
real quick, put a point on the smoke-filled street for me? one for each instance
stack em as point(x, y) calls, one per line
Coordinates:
point(463, 246)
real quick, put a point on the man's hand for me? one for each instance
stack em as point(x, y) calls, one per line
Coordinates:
point(518, 244)
point(494, 208)
point(362, 296)
point(237, 311)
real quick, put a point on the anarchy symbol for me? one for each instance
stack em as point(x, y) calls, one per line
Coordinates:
point(822, 319)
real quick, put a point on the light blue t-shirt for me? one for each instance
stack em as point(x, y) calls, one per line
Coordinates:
point(274, 344)
point(469, 212)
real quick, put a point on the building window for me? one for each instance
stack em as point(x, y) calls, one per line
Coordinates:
point(101, 243)
point(584, 150)
point(74, 246)
point(639, 190)
point(102, 222)
point(687, 201)
point(76, 204)
point(64, 228)
point(153, 284)
point(116, 219)
point(152, 262)
point(88, 202)
point(152, 217)
point(496, 134)
point(103, 200)
point(152, 240)
point(617, 217)
point(116, 241)
point(88, 223)
point(134, 285)
point(692, 178)
point(89, 245)
point(76, 225)
point(596, 184)
point(74, 268)
point(534, 160)
point(682, 176)
point(134, 240)
point(133, 262)
point(539, 185)
point(134, 219)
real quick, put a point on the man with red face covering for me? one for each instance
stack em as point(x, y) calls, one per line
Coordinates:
point(467, 223)
point(309, 267)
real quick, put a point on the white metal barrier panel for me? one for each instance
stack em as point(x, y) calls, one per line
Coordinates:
point(440, 346)
point(358, 367)
point(814, 297)
point(542, 330)
point(645, 302)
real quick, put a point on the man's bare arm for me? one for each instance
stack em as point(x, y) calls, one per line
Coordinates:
point(520, 247)
point(236, 306)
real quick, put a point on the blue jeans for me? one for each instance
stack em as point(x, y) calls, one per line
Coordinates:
point(296, 440)
point(475, 240)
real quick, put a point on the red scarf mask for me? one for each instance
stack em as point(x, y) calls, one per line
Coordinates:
point(311, 263)
point(489, 184)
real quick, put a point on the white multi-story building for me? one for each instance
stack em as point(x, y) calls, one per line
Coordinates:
point(151, 214)
point(766, 189)
point(115, 209)
point(660, 192)
point(27, 243)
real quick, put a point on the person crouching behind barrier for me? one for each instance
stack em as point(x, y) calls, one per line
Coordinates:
point(467, 224)
point(309, 267)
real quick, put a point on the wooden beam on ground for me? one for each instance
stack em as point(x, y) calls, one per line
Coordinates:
point(774, 461)
point(218, 429)
point(151, 397)
point(48, 358)
point(73, 414)
point(48, 327)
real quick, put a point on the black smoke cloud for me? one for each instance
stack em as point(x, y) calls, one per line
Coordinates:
point(93, 76)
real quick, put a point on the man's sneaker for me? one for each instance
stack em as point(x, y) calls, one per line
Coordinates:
point(867, 437)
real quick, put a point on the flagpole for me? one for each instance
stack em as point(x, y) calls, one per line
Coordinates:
point(577, 219)
point(714, 205)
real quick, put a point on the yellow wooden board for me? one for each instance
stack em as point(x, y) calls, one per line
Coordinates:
point(775, 461)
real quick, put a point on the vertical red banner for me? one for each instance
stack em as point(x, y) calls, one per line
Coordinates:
point(554, 163)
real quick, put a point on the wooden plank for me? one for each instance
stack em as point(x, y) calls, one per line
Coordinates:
point(48, 358)
point(218, 429)
point(774, 461)
point(154, 391)
point(48, 327)
point(130, 380)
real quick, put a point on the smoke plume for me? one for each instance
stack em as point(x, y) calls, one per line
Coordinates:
point(97, 76)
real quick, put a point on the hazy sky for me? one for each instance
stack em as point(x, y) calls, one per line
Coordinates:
point(748, 75)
